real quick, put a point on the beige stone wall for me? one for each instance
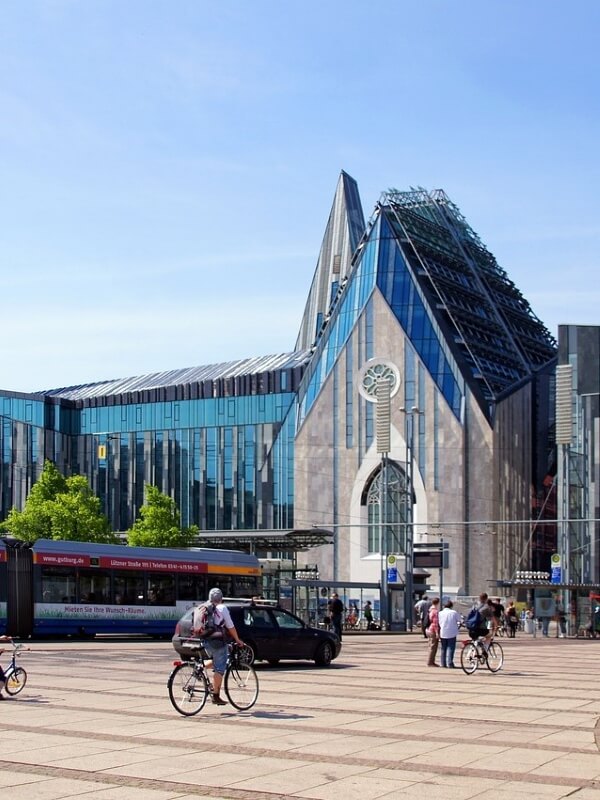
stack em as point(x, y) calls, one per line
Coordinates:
point(469, 488)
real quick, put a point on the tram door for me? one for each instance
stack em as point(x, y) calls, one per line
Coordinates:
point(19, 579)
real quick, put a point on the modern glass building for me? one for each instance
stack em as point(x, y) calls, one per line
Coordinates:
point(286, 441)
point(218, 439)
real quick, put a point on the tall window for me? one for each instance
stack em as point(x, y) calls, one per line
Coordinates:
point(394, 508)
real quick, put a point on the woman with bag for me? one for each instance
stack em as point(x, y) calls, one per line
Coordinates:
point(433, 631)
point(513, 619)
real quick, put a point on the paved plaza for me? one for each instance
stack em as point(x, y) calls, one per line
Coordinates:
point(95, 722)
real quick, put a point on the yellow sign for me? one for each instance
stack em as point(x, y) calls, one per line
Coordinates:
point(101, 451)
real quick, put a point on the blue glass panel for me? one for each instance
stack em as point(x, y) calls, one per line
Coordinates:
point(410, 310)
point(357, 292)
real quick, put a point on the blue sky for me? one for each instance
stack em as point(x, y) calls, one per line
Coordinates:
point(168, 167)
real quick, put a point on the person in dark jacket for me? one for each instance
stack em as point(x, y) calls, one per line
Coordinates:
point(336, 609)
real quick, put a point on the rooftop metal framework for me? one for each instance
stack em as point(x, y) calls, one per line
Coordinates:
point(488, 321)
point(294, 540)
point(228, 379)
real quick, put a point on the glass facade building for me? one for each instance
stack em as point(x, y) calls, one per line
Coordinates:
point(219, 440)
point(278, 442)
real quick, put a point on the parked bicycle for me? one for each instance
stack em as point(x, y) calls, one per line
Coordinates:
point(15, 677)
point(189, 683)
point(476, 653)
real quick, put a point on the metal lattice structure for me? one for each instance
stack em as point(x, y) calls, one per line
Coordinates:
point(490, 323)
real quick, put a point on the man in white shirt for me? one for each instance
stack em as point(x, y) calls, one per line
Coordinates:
point(449, 620)
point(216, 645)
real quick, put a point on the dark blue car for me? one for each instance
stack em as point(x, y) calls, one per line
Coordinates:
point(270, 631)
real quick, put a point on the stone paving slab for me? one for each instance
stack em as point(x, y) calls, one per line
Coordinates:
point(377, 723)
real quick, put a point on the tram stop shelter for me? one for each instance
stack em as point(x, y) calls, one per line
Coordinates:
point(579, 603)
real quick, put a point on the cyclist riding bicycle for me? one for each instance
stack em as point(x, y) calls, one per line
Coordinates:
point(489, 622)
point(2, 677)
point(215, 644)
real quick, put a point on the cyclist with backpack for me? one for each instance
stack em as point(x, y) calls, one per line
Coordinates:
point(481, 621)
point(213, 625)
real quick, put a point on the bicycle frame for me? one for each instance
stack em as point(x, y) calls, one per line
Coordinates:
point(15, 677)
point(12, 666)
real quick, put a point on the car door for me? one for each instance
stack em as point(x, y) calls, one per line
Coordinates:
point(295, 640)
point(260, 628)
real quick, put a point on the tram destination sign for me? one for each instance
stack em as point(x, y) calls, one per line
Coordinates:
point(431, 555)
point(432, 559)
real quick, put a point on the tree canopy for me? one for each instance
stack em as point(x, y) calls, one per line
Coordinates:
point(159, 523)
point(59, 508)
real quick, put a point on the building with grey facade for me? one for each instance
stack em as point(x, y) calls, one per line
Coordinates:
point(578, 446)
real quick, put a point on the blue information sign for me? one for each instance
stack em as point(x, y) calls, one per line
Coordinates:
point(556, 575)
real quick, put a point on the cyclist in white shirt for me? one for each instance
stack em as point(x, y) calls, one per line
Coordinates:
point(216, 645)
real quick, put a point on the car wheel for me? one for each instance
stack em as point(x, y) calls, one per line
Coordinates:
point(324, 654)
point(274, 661)
point(249, 653)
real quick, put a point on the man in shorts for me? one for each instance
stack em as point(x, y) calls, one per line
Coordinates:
point(216, 645)
point(489, 622)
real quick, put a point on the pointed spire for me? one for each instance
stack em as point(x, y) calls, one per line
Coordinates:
point(342, 235)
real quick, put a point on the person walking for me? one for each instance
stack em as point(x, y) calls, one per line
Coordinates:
point(368, 615)
point(561, 619)
point(449, 621)
point(422, 607)
point(336, 608)
point(513, 619)
point(433, 631)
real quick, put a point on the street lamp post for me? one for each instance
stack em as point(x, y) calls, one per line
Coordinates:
point(409, 416)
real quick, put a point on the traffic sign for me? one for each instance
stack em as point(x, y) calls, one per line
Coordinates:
point(555, 568)
point(392, 569)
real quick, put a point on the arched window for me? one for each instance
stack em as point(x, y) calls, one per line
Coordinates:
point(395, 515)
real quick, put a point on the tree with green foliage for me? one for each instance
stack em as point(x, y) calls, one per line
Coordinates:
point(159, 523)
point(77, 515)
point(59, 508)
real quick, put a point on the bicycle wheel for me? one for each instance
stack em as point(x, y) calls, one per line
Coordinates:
point(469, 659)
point(495, 657)
point(188, 689)
point(246, 654)
point(16, 681)
point(241, 686)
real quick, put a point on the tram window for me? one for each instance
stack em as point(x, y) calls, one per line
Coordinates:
point(128, 589)
point(58, 585)
point(191, 587)
point(161, 589)
point(246, 586)
point(222, 582)
point(94, 586)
